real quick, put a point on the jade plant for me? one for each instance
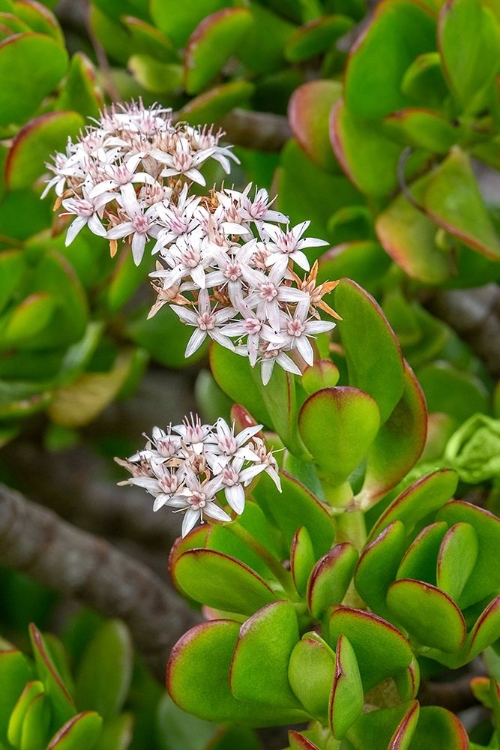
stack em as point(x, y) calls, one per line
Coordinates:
point(333, 584)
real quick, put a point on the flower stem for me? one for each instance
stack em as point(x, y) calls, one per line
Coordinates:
point(282, 575)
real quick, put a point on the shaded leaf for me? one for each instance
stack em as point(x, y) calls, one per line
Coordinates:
point(308, 114)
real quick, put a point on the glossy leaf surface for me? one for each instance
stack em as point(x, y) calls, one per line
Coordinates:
point(346, 698)
point(310, 672)
point(330, 579)
point(378, 565)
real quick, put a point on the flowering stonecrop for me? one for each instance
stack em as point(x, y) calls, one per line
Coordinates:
point(192, 467)
point(226, 261)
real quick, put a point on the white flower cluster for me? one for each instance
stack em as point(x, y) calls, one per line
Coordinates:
point(192, 467)
point(226, 261)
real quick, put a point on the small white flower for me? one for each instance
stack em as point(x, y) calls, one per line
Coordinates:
point(207, 322)
point(88, 211)
point(288, 245)
point(140, 226)
point(235, 478)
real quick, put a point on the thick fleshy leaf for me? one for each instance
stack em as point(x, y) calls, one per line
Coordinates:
point(234, 375)
point(469, 46)
point(367, 155)
point(316, 36)
point(330, 579)
point(117, 733)
point(165, 337)
point(149, 40)
point(424, 83)
point(79, 92)
point(178, 20)
point(422, 128)
point(105, 670)
point(452, 391)
point(452, 199)
point(338, 426)
point(299, 742)
point(217, 102)
point(419, 562)
point(155, 76)
point(408, 681)
point(381, 650)
point(63, 705)
point(486, 630)
point(294, 507)
point(308, 114)
point(438, 727)
point(222, 582)
point(399, 31)
point(39, 19)
point(409, 237)
point(15, 672)
point(429, 615)
point(259, 670)
point(388, 727)
point(82, 730)
point(373, 353)
point(322, 374)
point(363, 261)
point(346, 698)
point(229, 737)
point(12, 267)
point(377, 567)
point(27, 320)
point(265, 53)
point(302, 559)
point(214, 40)
point(310, 672)
point(424, 497)
point(456, 559)
point(30, 67)
point(198, 678)
point(485, 577)
point(196, 539)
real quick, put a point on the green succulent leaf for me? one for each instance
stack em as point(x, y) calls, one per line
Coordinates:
point(198, 678)
point(330, 579)
point(485, 631)
point(423, 81)
point(31, 690)
point(79, 92)
point(259, 670)
point(456, 559)
point(105, 670)
point(214, 40)
point(30, 67)
point(378, 565)
point(429, 615)
point(32, 731)
point(452, 199)
point(155, 76)
point(338, 426)
point(178, 21)
point(302, 559)
point(39, 19)
point(346, 697)
point(422, 128)
point(221, 582)
point(15, 672)
point(12, 268)
point(83, 730)
point(26, 321)
point(316, 36)
point(388, 727)
point(424, 497)
point(452, 391)
point(63, 705)
point(148, 40)
point(372, 350)
point(308, 114)
point(381, 650)
point(265, 53)
point(299, 742)
point(485, 577)
point(310, 672)
point(399, 32)
point(438, 727)
point(470, 47)
point(117, 733)
point(293, 508)
point(421, 556)
point(212, 105)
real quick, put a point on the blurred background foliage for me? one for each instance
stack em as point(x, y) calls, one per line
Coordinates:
point(380, 125)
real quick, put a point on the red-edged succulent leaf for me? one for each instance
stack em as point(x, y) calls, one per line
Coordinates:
point(211, 44)
point(381, 650)
point(373, 354)
point(420, 558)
point(178, 20)
point(316, 37)
point(408, 681)
point(364, 261)
point(398, 33)
point(302, 559)
point(308, 114)
point(211, 105)
point(424, 497)
point(485, 577)
point(83, 730)
point(486, 630)
point(259, 670)
point(294, 507)
point(194, 540)
point(346, 697)
point(147, 39)
point(322, 374)
point(377, 567)
point(30, 67)
point(409, 237)
point(310, 672)
point(338, 426)
point(299, 742)
point(15, 672)
point(198, 678)
point(429, 615)
point(330, 579)
point(388, 727)
point(456, 559)
point(422, 128)
point(424, 83)
point(469, 46)
point(221, 582)
point(438, 727)
point(63, 705)
point(452, 199)
point(367, 155)
point(399, 443)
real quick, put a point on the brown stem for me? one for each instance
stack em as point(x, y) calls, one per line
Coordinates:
point(35, 541)
point(456, 696)
point(263, 131)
